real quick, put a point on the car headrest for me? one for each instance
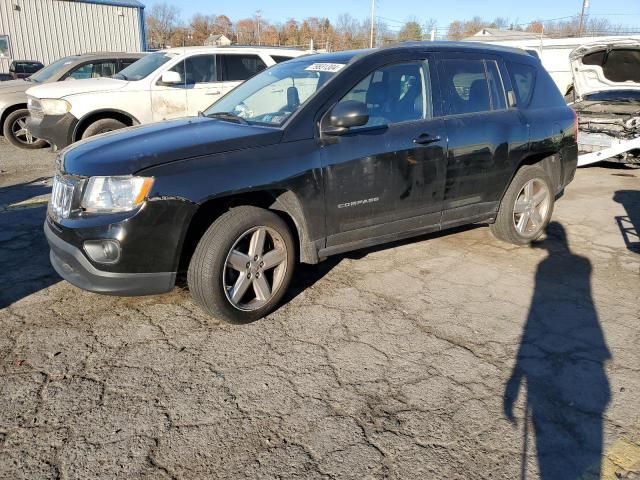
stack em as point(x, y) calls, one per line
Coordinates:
point(293, 98)
point(376, 94)
point(479, 95)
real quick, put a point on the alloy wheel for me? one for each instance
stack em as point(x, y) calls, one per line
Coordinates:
point(255, 268)
point(531, 207)
point(20, 132)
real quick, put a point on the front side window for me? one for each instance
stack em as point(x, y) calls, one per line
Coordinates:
point(93, 70)
point(465, 87)
point(240, 67)
point(273, 95)
point(197, 69)
point(393, 94)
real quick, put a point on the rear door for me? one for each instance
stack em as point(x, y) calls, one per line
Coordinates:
point(485, 135)
point(387, 176)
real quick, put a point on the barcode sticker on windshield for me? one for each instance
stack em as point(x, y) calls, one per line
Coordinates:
point(325, 67)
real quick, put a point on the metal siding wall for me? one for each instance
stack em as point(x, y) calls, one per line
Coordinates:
point(46, 30)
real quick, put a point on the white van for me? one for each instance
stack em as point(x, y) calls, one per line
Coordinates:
point(168, 84)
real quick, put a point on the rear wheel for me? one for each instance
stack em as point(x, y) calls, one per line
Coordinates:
point(103, 125)
point(243, 265)
point(15, 131)
point(526, 208)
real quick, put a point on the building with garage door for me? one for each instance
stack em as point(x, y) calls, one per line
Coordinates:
point(45, 30)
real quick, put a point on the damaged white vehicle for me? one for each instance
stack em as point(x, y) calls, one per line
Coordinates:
point(607, 87)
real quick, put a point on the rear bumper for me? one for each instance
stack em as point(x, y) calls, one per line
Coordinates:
point(73, 266)
point(55, 129)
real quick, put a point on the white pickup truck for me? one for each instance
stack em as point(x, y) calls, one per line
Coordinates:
point(167, 84)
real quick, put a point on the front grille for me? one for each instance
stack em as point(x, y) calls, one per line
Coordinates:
point(62, 195)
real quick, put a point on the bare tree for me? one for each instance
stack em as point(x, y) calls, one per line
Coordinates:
point(162, 20)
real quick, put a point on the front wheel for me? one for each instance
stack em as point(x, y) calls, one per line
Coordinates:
point(16, 133)
point(103, 125)
point(526, 208)
point(242, 265)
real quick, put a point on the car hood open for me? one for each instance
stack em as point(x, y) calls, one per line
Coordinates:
point(606, 66)
point(74, 87)
point(129, 151)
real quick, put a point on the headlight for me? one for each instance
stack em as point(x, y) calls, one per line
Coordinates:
point(53, 106)
point(115, 194)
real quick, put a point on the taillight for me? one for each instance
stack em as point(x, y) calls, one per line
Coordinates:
point(575, 123)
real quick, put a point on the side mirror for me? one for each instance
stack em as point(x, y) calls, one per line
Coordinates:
point(171, 78)
point(346, 115)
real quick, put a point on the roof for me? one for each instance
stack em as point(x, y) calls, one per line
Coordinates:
point(498, 34)
point(235, 48)
point(115, 3)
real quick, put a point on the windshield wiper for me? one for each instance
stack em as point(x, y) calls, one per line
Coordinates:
point(120, 76)
point(229, 116)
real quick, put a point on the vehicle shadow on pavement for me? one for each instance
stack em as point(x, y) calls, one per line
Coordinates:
point(306, 276)
point(24, 252)
point(629, 224)
point(561, 362)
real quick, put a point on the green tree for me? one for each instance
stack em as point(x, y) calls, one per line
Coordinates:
point(410, 31)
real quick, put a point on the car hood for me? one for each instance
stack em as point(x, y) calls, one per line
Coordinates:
point(129, 151)
point(15, 86)
point(604, 71)
point(74, 87)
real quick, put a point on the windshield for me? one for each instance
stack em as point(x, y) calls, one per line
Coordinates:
point(272, 96)
point(144, 67)
point(51, 70)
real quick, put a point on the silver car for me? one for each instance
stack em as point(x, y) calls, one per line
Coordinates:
point(13, 100)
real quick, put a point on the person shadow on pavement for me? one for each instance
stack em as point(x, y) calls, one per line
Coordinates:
point(561, 359)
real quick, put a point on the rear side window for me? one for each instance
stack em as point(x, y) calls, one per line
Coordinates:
point(498, 100)
point(465, 87)
point(523, 78)
point(240, 67)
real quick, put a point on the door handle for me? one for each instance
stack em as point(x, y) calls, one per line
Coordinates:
point(213, 92)
point(426, 139)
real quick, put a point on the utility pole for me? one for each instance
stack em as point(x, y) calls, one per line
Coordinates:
point(258, 15)
point(585, 5)
point(373, 19)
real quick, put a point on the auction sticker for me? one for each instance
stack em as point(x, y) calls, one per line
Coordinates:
point(325, 67)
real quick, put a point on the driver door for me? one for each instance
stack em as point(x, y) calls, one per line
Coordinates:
point(387, 177)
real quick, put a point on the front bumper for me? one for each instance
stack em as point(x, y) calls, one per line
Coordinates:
point(74, 267)
point(55, 129)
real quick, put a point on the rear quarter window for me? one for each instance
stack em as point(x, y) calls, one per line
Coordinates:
point(523, 78)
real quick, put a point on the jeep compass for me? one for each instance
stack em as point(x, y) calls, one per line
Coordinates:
point(314, 157)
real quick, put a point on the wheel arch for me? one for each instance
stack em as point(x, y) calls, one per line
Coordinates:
point(113, 113)
point(551, 163)
point(283, 202)
point(8, 111)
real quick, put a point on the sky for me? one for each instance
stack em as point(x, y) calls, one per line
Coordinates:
point(395, 12)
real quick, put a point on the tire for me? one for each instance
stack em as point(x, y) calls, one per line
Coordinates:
point(103, 125)
point(213, 280)
point(522, 228)
point(12, 130)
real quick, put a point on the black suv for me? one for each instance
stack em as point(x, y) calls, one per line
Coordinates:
point(310, 158)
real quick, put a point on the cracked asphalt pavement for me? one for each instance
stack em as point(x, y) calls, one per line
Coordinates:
point(445, 357)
